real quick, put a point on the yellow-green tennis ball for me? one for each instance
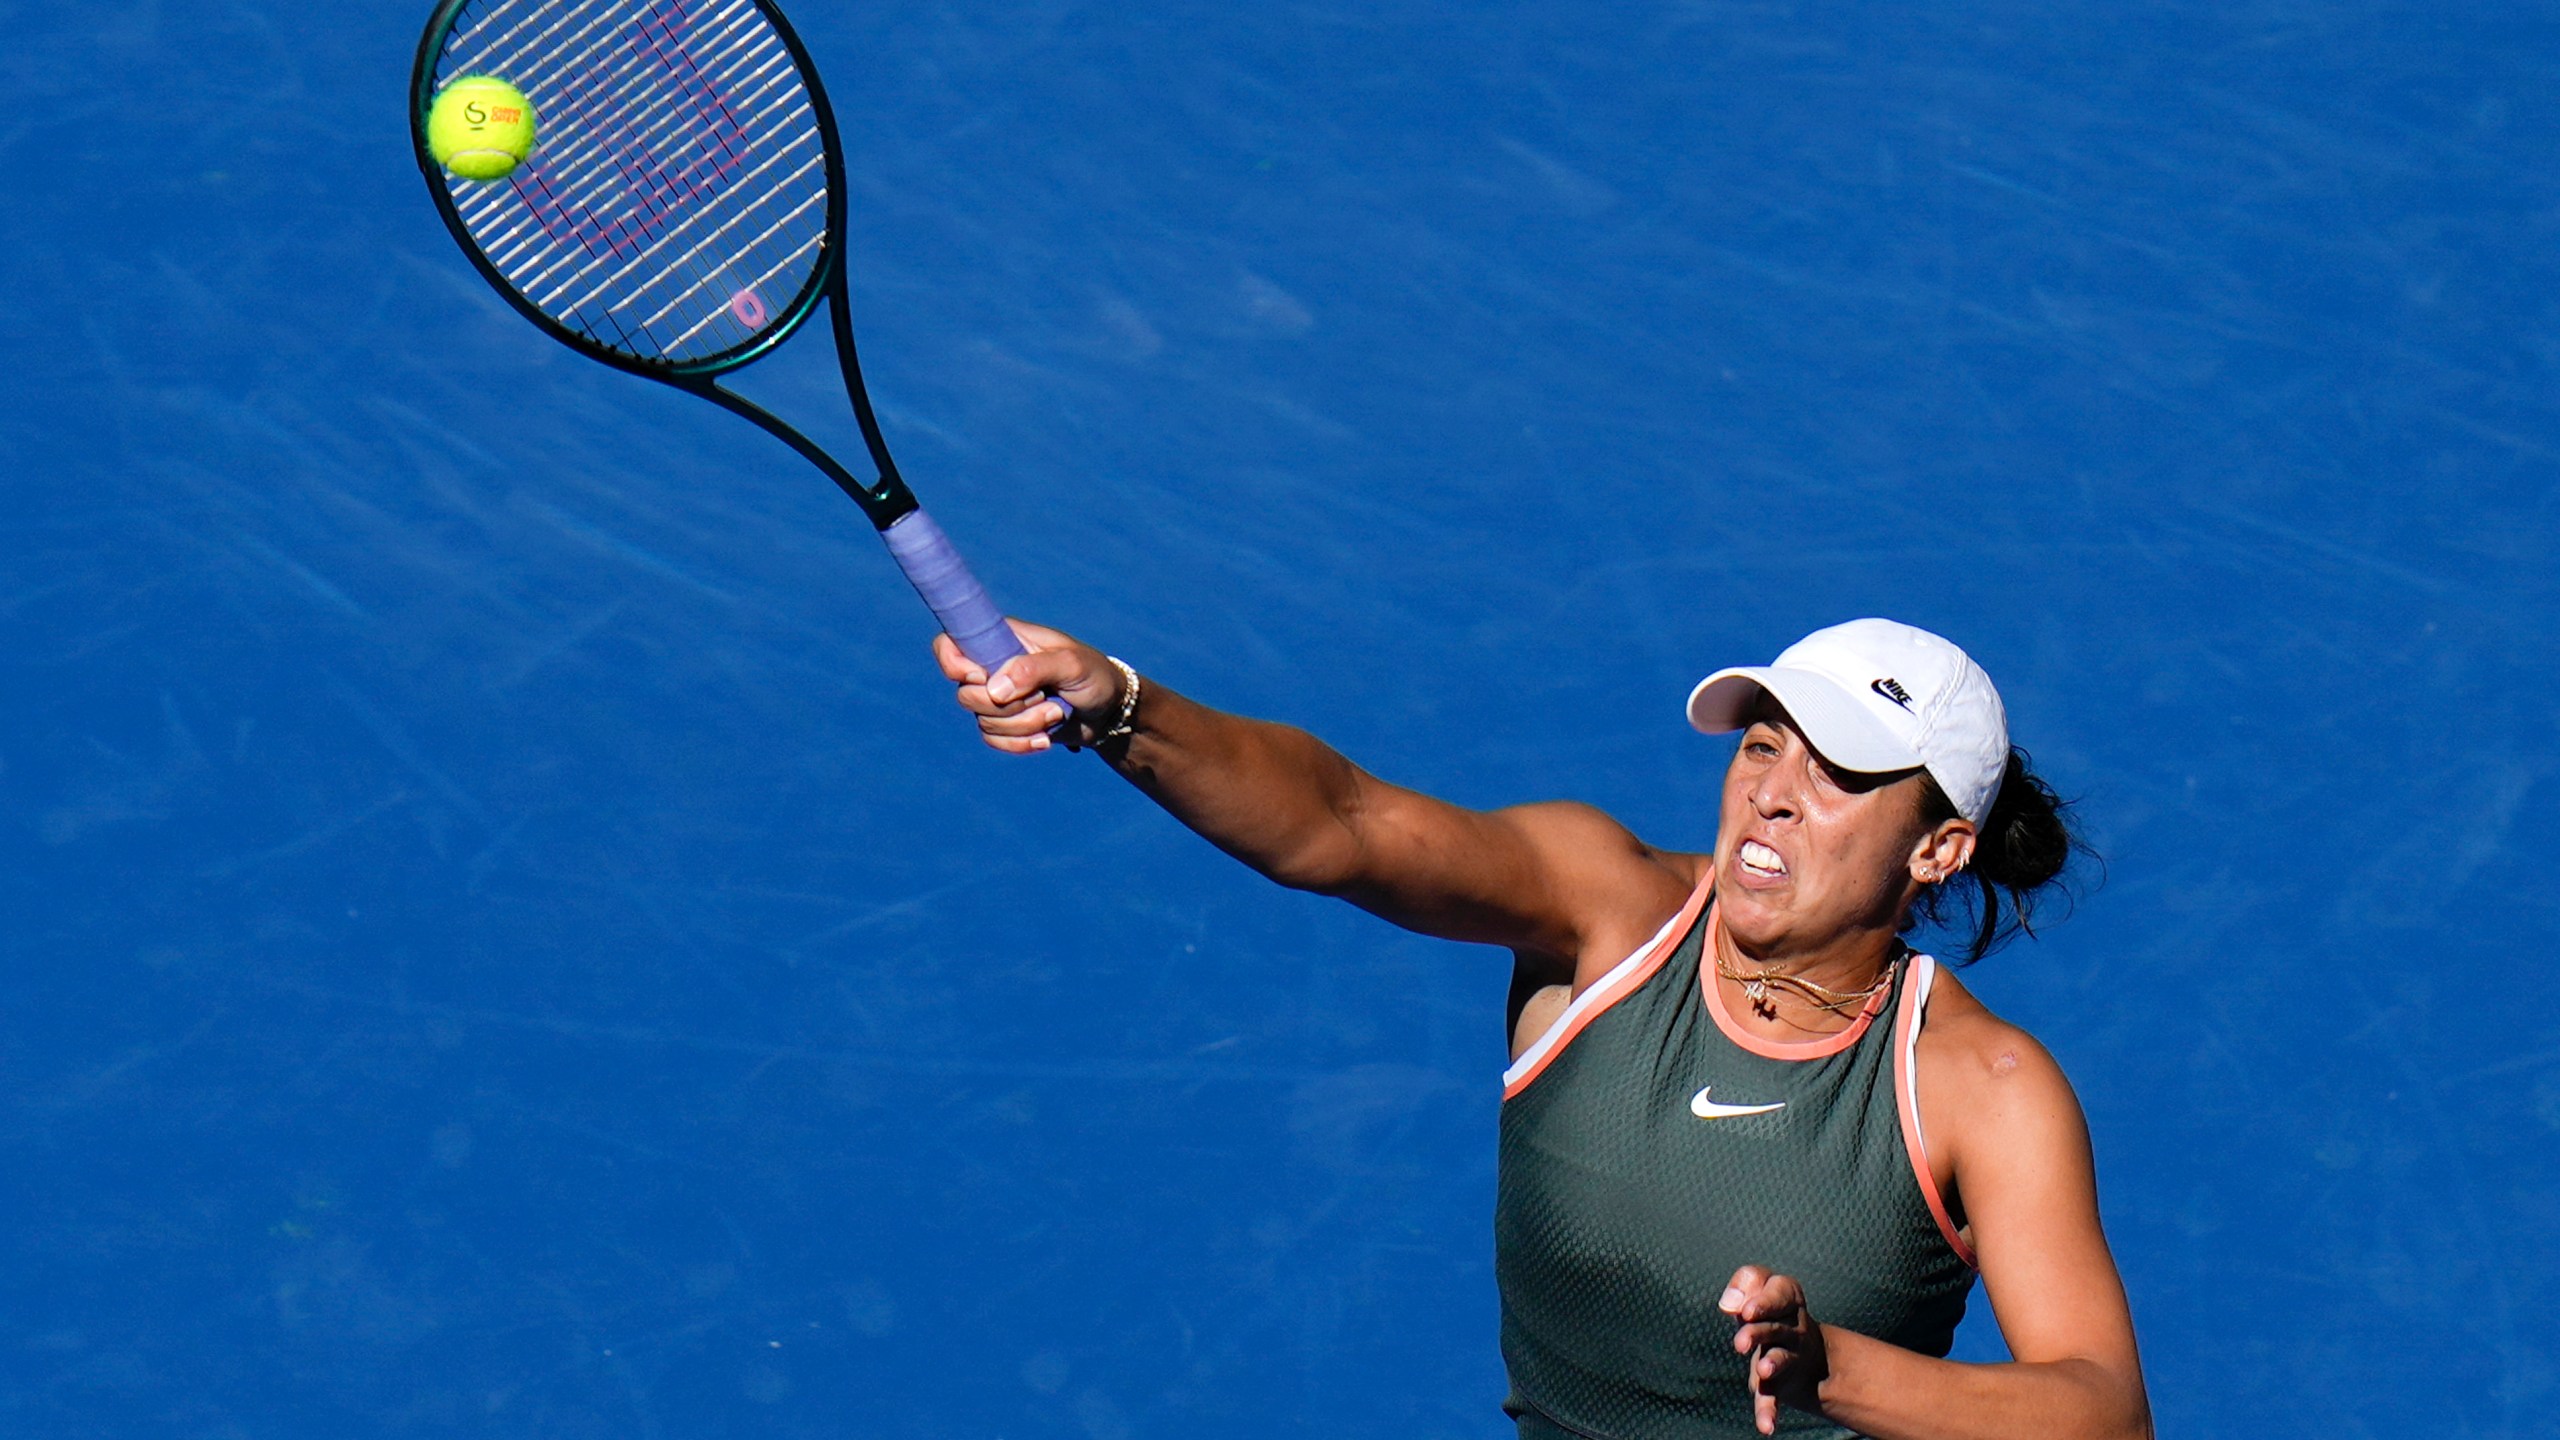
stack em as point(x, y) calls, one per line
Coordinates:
point(480, 128)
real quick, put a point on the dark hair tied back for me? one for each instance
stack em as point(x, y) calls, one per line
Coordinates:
point(2025, 844)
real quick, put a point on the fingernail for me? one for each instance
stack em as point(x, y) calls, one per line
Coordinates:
point(1039, 742)
point(1000, 689)
point(1732, 1299)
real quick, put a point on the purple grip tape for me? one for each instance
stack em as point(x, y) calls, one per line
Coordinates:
point(956, 597)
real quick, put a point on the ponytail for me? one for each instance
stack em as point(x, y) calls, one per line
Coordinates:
point(2025, 845)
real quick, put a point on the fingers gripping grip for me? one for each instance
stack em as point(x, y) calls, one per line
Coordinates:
point(955, 596)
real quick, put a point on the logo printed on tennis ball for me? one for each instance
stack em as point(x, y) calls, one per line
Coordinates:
point(480, 128)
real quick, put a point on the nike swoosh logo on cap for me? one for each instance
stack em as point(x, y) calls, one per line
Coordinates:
point(1706, 1109)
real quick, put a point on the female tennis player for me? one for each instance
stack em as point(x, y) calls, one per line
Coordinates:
point(1754, 1148)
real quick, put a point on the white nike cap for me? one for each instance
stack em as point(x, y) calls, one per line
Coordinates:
point(1875, 696)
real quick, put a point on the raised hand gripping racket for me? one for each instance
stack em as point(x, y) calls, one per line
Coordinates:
point(683, 213)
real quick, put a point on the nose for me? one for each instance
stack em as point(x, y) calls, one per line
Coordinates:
point(1776, 793)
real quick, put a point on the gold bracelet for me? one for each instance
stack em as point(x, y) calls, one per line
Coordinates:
point(1130, 685)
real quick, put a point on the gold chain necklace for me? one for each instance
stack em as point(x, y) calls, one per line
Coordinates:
point(1821, 997)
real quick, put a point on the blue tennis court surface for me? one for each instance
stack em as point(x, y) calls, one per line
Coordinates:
point(507, 935)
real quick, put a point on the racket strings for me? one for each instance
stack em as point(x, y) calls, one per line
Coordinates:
point(600, 177)
point(783, 94)
point(666, 186)
point(590, 92)
point(675, 209)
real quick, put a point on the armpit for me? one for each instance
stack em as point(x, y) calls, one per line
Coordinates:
point(1537, 1015)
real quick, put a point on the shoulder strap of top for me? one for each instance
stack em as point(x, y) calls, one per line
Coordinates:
point(1917, 983)
point(1624, 979)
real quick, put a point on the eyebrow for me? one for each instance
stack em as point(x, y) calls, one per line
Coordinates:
point(1855, 781)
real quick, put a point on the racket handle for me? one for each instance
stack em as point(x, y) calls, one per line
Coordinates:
point(956, 598)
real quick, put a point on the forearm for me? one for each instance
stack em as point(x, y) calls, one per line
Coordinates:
point(1891, 1393)
point(1287, 805)
point(1273, 796)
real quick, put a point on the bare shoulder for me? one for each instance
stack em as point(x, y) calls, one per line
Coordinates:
point(1962, 1028)
point(1987, 1084)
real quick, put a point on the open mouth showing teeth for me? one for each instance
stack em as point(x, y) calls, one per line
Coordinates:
point(1759, 859)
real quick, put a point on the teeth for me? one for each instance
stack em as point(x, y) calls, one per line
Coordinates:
point(1760, 858)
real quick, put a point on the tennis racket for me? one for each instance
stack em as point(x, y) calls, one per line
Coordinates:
point(682, 214)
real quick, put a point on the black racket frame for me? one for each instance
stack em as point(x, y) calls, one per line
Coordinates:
point(885, 499)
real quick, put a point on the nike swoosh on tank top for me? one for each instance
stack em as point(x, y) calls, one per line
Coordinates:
point(1621, 1210)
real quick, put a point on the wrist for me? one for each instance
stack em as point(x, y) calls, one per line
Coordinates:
point(1116, 720)
point(1839, 1370)
point(1131, 687)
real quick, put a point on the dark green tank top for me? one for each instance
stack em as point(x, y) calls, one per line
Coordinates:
point(1650, 1148)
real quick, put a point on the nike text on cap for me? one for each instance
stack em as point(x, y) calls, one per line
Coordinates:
point(1876, 696)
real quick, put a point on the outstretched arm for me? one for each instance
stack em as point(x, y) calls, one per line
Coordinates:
point(1552, 879)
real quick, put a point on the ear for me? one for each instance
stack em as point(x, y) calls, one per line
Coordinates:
point(1943, 851)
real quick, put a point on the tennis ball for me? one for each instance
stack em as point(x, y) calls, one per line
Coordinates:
point(480, 128)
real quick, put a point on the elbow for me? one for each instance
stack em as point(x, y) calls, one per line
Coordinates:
point(1327, 866)
point(2124, 1409)
point(2136, 1410)
point(1327, 855)
point(2136, 1426)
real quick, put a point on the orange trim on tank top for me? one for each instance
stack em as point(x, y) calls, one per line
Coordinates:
point(1624, 979)
point(1776, 1049)
point(1906, 1103)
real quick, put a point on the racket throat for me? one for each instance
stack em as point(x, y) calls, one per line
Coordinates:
point(884, 501)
